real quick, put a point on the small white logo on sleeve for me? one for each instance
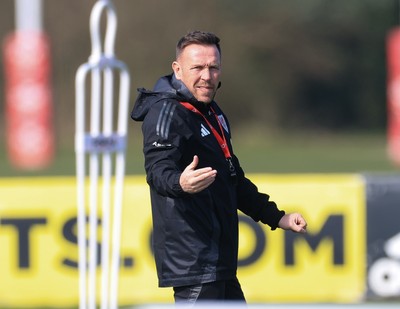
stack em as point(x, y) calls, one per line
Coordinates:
point(159, 145)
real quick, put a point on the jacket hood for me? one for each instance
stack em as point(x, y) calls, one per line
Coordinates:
point(167, 87)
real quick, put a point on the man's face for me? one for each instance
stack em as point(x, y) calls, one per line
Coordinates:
point(199, 68)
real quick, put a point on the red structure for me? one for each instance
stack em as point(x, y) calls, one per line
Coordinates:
point(29, 132)
point(393, 95)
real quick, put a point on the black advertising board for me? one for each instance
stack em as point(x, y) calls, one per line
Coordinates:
point(383, 236)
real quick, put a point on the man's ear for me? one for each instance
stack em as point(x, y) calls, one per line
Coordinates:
point(177, 69)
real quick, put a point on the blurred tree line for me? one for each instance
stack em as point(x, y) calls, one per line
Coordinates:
point(296, 64)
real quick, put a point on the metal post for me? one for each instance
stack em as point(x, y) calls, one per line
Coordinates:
point(28, 15)
point(104, 140)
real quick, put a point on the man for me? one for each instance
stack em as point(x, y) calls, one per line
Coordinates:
point(196, 182)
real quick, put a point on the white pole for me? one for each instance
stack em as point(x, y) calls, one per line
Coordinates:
point(107, 171)
point(102, 139)
point(80, 82)
point(94, 176)
point(28, 15)
point(119, 185)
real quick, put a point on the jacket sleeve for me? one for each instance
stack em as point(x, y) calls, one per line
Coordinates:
point(255, 204)
point(162, 149)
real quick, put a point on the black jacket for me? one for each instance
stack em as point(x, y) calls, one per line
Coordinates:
point(195, 236)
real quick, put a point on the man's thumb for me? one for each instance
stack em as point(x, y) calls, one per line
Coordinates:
point(194, 163)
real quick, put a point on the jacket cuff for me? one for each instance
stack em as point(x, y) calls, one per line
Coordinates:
point(176, 187)
point(272, 215)
point(279, 216)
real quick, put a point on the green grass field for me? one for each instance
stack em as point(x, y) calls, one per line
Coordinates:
point(281, 153)
point(316, 153)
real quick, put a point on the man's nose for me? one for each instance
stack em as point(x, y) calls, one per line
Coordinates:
point(206, 74)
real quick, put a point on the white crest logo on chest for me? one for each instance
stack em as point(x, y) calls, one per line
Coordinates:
point(223, 122)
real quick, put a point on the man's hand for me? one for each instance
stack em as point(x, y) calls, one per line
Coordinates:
point(294, 222)
point(193, 181)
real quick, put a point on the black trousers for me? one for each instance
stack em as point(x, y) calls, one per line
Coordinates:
point(224, 290)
